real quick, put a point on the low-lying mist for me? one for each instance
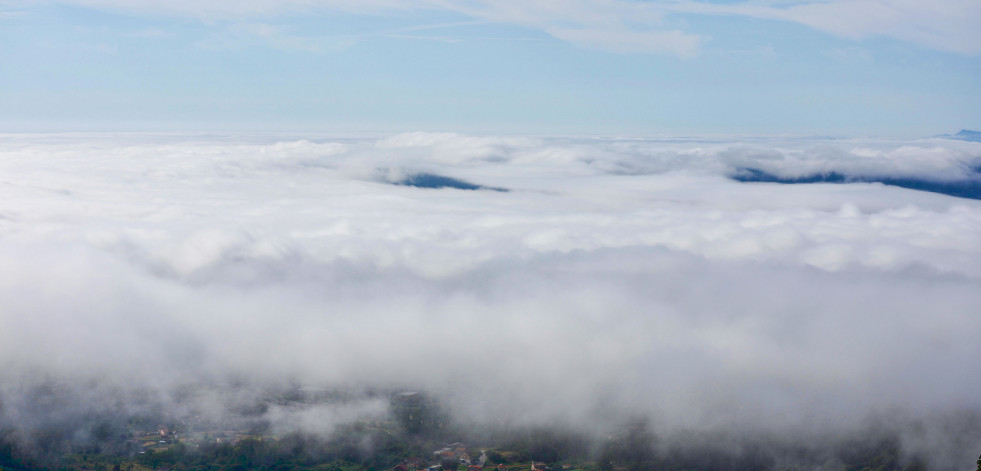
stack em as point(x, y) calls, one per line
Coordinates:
point(622, 296)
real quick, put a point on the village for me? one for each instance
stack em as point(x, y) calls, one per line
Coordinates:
point(454, 456)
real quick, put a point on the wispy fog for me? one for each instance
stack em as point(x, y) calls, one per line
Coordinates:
point(614, 279)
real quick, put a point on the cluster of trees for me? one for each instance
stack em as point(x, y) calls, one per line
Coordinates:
point(420, 426)
point(637, 448)
point(360, 447)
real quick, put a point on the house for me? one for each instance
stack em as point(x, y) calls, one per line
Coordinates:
point(475, 467)
point(538, 466)
point(400, 467)
point(501, 467)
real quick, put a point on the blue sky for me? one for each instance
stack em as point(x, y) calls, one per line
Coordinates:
point(866, 67)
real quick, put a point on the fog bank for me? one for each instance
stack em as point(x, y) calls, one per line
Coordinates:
point(614, 279)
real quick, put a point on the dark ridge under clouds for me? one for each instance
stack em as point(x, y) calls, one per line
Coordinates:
point(960, 188)
point(434, 181)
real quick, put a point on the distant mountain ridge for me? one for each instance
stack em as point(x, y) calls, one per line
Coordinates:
point(965, 135)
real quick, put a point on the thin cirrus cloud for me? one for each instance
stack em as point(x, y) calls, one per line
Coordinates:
point(241, 35)
point(947, 25)
point(622, 26)
point(629, 42)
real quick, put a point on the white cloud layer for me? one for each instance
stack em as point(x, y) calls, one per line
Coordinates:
point(616, 277)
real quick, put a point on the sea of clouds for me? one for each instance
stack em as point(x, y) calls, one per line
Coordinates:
point(614, 278)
